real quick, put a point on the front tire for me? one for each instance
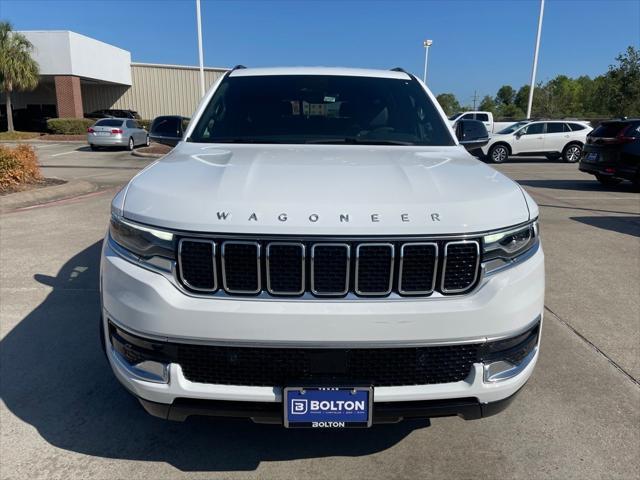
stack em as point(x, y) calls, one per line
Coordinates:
point(499, 153)
point(572, 153)
point(130, 145)
point(608, 181)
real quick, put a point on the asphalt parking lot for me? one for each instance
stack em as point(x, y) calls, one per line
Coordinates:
point(64, 415)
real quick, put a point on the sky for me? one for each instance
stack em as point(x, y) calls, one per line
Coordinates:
point(477, 45)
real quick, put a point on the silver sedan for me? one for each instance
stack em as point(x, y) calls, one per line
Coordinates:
point(117, 132)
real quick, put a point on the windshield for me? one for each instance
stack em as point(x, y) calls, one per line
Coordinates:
point(513, 128)
point(321, 109)
point(455, 115)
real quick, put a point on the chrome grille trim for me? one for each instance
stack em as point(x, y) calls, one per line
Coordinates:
point(213, 258)
point(435, 269)
point(224, 274)
point(357, 269)
point(302, 266)
point(444, 266)
point(347, 247)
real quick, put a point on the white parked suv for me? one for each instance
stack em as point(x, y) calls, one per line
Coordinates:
point(321, 251)
point(552, 138)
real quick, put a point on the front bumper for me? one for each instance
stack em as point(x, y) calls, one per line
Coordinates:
point(147, 304)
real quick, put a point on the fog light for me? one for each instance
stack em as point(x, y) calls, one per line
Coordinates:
point(504, 359)
point(147, 370)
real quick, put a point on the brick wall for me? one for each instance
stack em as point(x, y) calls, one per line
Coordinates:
point(68, 96)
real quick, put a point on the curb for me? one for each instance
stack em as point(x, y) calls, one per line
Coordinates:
point(135, 153)
point(36, 140)
point(38, 196)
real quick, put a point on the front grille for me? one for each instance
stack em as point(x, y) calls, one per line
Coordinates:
point(365, 268)
point(293, 366)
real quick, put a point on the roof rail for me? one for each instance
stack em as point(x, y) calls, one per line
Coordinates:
point(399, 69)
point(238, 67)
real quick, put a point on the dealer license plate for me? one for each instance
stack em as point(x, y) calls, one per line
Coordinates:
point(328, 407)
point(592, 157)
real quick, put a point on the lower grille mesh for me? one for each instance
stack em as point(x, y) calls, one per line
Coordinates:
point(279, 367)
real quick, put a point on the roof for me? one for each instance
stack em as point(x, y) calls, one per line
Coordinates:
point(336, 71)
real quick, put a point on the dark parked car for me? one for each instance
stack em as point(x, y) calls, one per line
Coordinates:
point(168, 129)
point(112, 113)
point(612, 152)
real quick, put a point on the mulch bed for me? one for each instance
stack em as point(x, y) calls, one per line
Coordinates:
point(155, 148)
point(45, 182)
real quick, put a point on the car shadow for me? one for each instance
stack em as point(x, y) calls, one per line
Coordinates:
point(581, 185)
point(55, 377)
point(629, 225)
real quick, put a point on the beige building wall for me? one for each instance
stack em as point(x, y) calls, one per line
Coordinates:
point(155, 90)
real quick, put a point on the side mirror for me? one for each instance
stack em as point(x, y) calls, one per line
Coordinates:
point(472, 134)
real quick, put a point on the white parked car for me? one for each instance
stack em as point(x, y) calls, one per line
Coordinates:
point(553, 138)
point(321, 251)
point(484, 117)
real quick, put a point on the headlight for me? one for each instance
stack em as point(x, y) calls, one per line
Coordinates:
point(142, 241)
point(509, 244)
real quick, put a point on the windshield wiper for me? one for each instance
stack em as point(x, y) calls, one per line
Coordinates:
point(357, 141)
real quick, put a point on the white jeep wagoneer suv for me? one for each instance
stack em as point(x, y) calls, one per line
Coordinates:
point(320, 250)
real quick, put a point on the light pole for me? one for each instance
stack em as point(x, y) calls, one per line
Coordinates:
point(535, 60)
point(426, 44)
point(199, 20)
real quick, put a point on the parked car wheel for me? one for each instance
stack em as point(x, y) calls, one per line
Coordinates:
point(131, 144)
point(93, 147)
point(572, 153)
point(608, 181)
point(499, 154)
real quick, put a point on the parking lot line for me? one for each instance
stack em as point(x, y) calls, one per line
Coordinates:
point(63, 153)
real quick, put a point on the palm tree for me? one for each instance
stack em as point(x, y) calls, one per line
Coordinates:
point(18, 71)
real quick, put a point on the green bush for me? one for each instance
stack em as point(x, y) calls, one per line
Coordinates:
point(69, 126)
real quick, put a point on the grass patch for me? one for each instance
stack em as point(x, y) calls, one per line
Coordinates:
point(18, 135)
point(18, 166)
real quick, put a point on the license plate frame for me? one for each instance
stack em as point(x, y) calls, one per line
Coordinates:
point(327, 418)
point(592, 157)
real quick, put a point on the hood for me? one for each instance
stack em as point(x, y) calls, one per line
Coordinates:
point(323, 189)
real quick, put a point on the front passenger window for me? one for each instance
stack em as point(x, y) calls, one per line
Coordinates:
point(534, 129)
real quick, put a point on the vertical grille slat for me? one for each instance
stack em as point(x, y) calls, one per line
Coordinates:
point(196, 264)
point(374, 268)
point(460, 269)
point(285, 268)
point(241, 267)
point(418, 268)
point(330, 267)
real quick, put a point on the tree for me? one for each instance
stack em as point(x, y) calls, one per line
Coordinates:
point(624, 83)
point(522, 97)
point(18, 71)
point(487, 104)
point(505, 95)
point(449, 103)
